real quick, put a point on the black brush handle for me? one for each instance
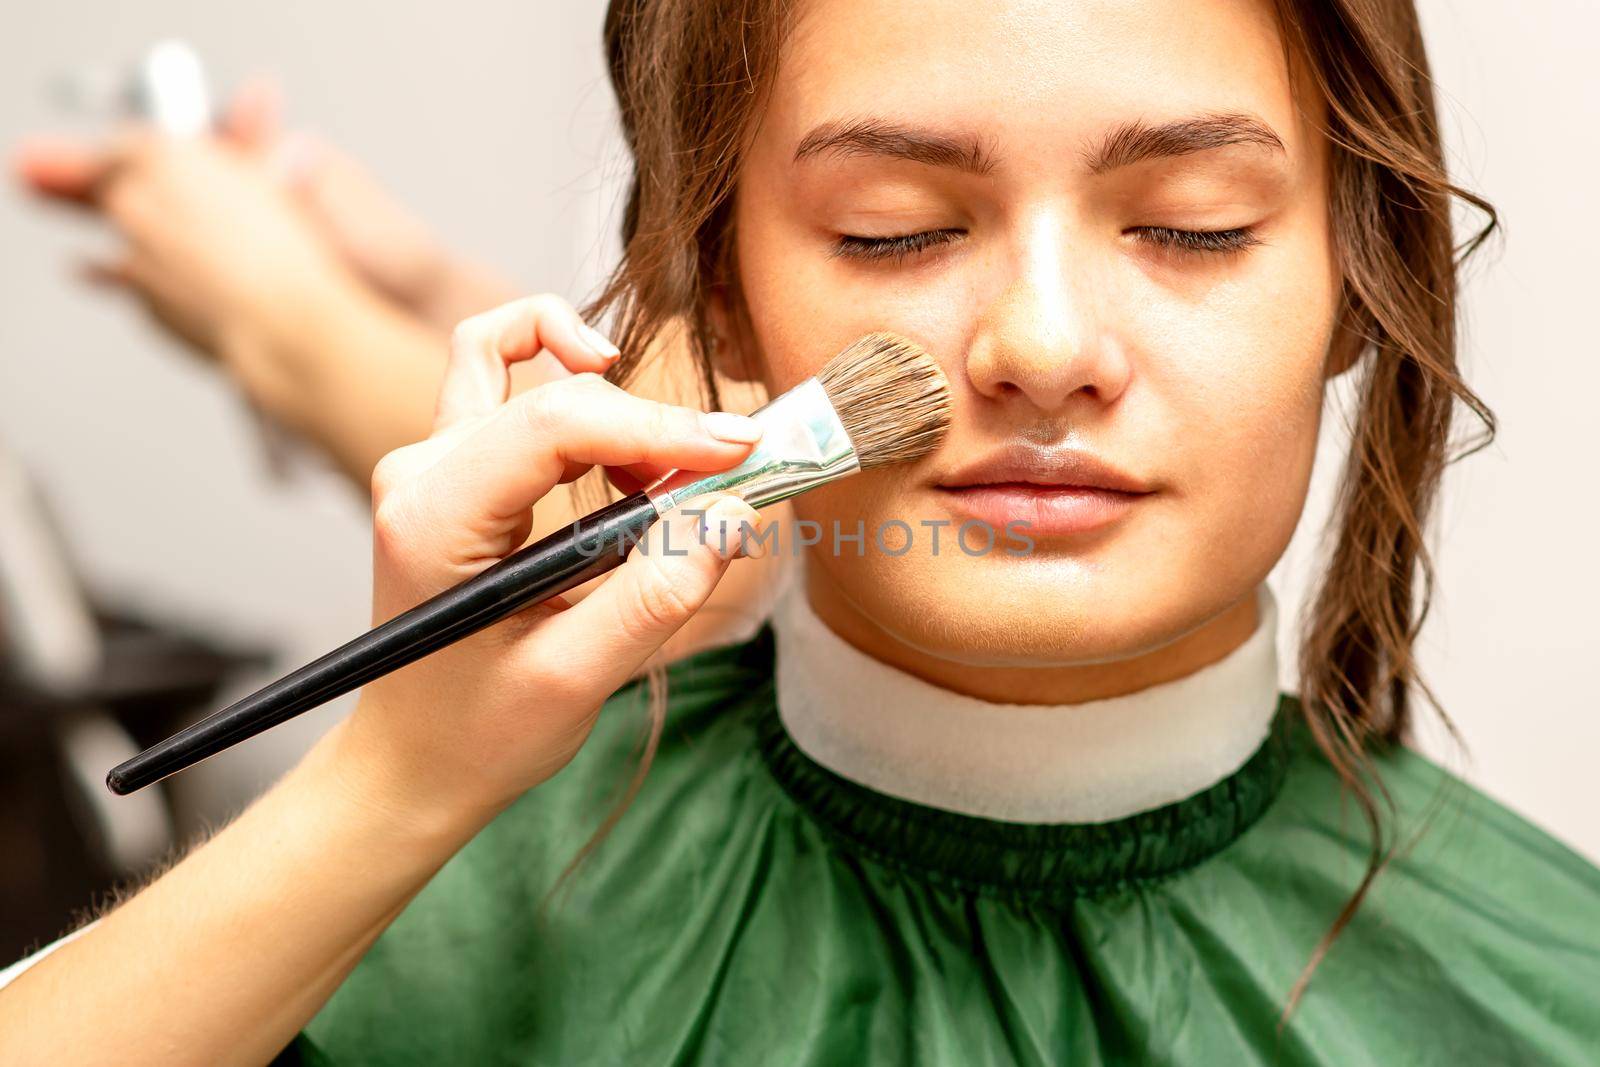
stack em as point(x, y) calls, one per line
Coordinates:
point(569, 557)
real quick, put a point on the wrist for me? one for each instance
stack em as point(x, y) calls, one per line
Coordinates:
point(388, 789)
point(277, 353)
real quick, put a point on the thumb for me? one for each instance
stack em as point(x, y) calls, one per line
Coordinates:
point(667, 577)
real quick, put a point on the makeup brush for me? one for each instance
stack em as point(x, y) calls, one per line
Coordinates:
point(882, 400)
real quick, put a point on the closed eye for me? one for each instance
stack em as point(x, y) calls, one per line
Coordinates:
point(897, 247)
point(1219, 242)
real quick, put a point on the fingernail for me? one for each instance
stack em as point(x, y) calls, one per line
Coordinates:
point(598, 341)
point(751, 546)
point(730, 522)
point(726, 426)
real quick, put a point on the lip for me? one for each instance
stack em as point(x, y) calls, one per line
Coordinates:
point(1055, 492)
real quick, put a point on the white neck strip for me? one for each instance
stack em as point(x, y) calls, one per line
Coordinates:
point(1092, 762)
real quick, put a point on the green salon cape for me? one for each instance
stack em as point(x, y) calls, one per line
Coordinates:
point(752, 907)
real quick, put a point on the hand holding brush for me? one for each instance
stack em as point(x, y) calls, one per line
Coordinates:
point(449, 510)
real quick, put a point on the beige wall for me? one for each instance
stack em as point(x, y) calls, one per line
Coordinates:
point(491, 118)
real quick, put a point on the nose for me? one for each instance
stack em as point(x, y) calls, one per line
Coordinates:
point(1046, 339)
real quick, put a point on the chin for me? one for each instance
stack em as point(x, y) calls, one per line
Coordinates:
point(1046, 610)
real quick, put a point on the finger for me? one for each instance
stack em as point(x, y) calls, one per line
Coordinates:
point(632, 477)
point(254, 117)
point(471, 497)
point(62, 168)
point(133, 271)
point(298, 159)
point(478, 377)
point(608, 635)
point(625, 480)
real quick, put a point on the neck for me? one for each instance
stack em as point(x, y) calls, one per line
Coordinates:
point(1075, 684)
point(1093, 759)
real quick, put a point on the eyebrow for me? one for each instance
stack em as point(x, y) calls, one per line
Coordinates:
point(1129, 143)
point(1135, 142)
point(875, 137)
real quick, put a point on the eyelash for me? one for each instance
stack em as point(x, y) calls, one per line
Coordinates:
point(902, 246)
point(897, 248)
point(1219, 242)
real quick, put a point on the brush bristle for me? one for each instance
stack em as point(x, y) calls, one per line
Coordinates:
point(891, 396)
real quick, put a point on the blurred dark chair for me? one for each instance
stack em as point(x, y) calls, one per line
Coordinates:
point(81, 688)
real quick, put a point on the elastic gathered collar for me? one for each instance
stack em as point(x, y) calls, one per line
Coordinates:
point(1029, 862)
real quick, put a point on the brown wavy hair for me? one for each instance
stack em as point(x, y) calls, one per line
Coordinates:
point(690, 78)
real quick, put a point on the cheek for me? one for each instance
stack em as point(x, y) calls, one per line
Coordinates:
point(1250, 374)
point(1239, 377)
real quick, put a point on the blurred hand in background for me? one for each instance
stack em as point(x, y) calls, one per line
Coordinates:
point(282, 259)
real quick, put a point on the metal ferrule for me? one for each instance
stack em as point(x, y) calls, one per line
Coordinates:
point(803, 445)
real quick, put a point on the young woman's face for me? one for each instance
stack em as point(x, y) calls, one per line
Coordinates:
point(1108, 221)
